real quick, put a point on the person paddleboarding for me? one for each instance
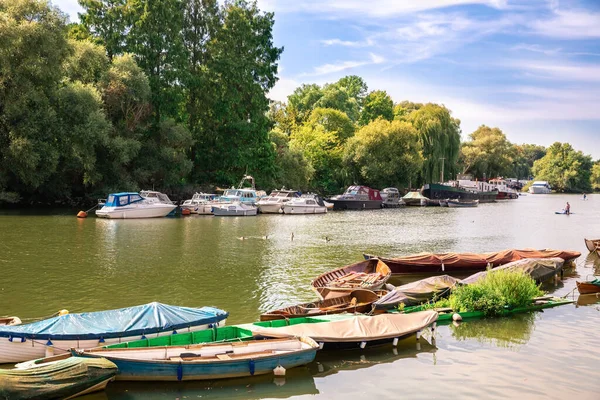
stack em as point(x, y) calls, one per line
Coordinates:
point(568, 208)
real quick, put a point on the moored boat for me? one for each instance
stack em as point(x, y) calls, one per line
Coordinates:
point(463, 263)
point(370, 274)
point(415, 293)
point(356, 301)
point(200, 203)
point(588, 287)
point(391, 198)
point(86, 330)
point(540, 187)
point(463, 189)
point(306, 204)
point(273, 203)
point(592, 245)
point(128, 205)
point(414, 199)
point(357, 198)
point(358, 331)
point(462, 203)
point(195, 360)
point(505, 192)
point(444, 203)
point(236, 209)
point(61, 379)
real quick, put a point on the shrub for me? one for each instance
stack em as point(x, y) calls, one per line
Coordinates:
point(496, 292)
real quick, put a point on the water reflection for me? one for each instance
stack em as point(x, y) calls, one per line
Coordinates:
point(589, 300)
point(510, 332)
point(331, 362)
point(297, 381)
point(592, 260)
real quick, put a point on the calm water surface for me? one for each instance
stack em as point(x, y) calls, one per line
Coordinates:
point(51, 261)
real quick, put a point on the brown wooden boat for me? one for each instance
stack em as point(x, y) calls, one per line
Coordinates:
point(10, 321)
point(588, 287)
point(463, 263)
point(370, 274)
point(592, 245)
point(356, 301)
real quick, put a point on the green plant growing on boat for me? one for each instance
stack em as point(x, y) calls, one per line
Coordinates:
point(496, 292)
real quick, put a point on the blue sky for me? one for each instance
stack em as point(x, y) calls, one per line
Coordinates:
point(529, 67)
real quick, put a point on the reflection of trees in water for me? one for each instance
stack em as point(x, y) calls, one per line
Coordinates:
point(509, 332)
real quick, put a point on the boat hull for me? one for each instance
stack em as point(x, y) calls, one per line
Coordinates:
point(273, 208)
point(356, 204)
point(226, 212)
point(303, 209)
point(587, 288)
point(155, 211)
point(201, 209)
point(17, 350)
point(592, 245)
point(461, 204)
point(436, 191)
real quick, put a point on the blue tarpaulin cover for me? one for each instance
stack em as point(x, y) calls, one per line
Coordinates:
point(130, 321)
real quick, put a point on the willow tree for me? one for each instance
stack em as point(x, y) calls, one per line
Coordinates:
point(439, 136)
point(566, 169)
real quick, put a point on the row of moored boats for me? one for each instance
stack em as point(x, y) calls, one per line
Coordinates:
point(72, 354)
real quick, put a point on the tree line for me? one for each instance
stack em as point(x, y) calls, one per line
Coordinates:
point(173, 94)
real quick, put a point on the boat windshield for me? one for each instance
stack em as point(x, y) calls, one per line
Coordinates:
point(232, 193)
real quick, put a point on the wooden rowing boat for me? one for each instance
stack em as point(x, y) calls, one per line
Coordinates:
point(592, 245)
point(370, 274)
point(588, 287)
point(357, 301)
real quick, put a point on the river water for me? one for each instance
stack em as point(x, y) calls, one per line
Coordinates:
point(248, 265)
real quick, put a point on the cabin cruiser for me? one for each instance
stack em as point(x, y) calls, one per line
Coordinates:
point(540, 187)
point(200, 203)
point(273, 204)
point(306, 204)
point(243, 195)
point(504, 191)
point(127, 205)
point(357, 198)
point(391, 198)
point(235, 209)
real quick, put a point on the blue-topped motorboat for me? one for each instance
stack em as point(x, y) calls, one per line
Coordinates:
point(126, 205)
point(86, 330)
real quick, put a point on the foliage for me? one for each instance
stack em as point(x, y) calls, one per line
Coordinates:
point(107, 21)
point(292, 169)
point(488, 154)
point(87, 62)
point(377, 104)
point(403, 109)
point(566, 169)
point(496, 292)
point(439, 135)
point(595, 176)
point(385, 153)
point(523, 158)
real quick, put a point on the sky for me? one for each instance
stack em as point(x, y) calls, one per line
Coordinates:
point(529, 67)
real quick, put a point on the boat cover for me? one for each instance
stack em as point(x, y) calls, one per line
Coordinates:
point(414, 195)
point(418, 292)
point(355, 329)
point(55, 380)
point(539, 269)
point(475, 260)
point(130, 321)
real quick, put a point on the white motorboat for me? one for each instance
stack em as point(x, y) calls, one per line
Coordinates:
point(200, 203)
point(540, 187)
point(391, 198)
point(236, 209)
point(246, 195)
point(306, 204)
point(273, 204)
point(128, 205)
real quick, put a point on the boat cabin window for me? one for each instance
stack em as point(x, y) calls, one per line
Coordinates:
point(135, 197)
point(310, 202)
point(123, 200)
point(111, 199)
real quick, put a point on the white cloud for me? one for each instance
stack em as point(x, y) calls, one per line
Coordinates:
point(571, 24)
point(566, 72)
point(347, 43)
point(535, 48)
point(327, 69)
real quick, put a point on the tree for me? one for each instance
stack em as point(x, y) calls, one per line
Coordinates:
point(595, 176)
point(403, 109)
point(87, 62)
point(355, 86)
point(377, 104)
point(292, 169)
point(338, 98)
point(385, 153)
point(33, 48)
point(107, 21)
point(439, 135)
point(524, 157)
point(566, 169)
point(488, 154)
point(302, 101)
point(333, 121)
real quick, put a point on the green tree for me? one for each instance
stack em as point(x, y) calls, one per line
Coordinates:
point(302, 101)
point(87, 62)
point(403, 109)
point(355, 86)
point(566, 169)
point(488, 154)
point(377, 104)
point(333, 121)
point(524, 157)
point(107, 21)
point(292, 169)
point(33, 48)
point(385, 153)
point(338, 98)
point(595, 176)
point(439, 135)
